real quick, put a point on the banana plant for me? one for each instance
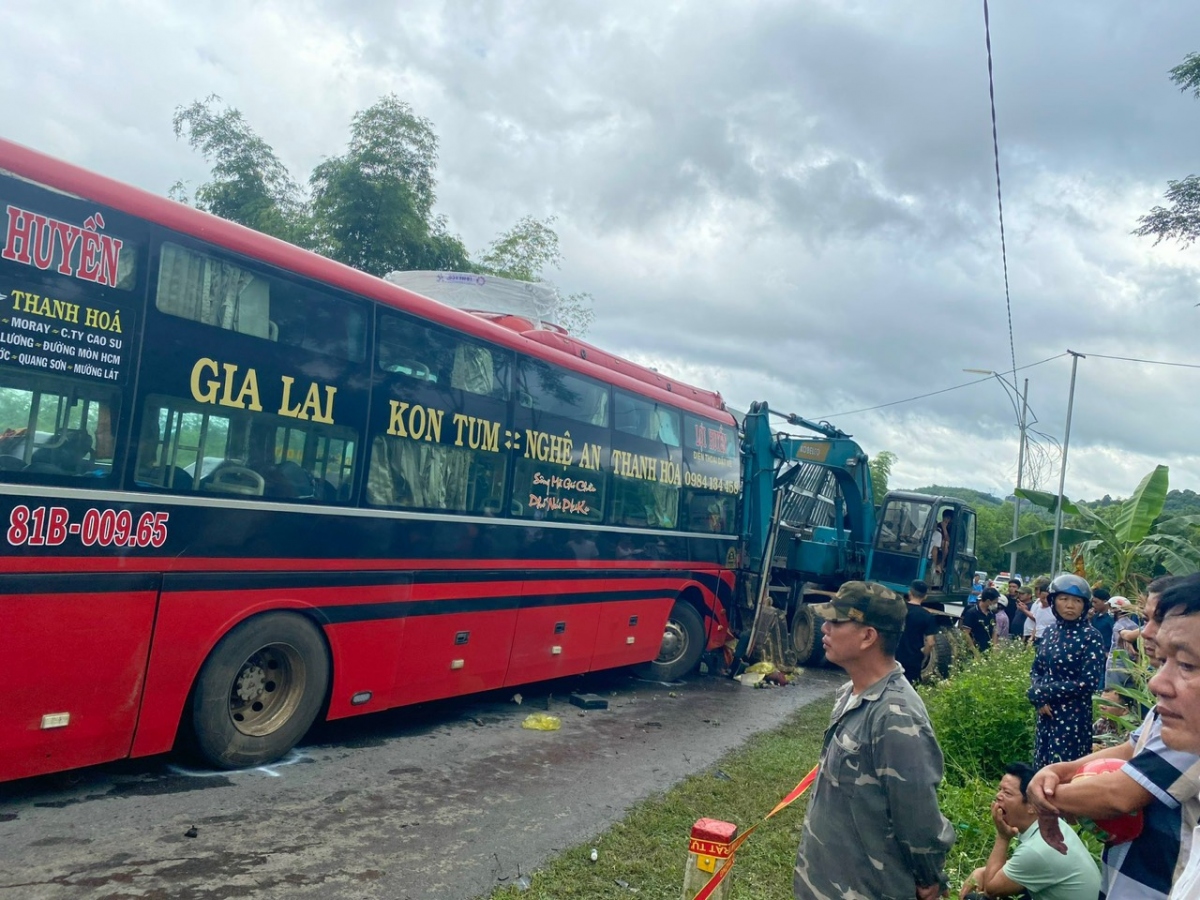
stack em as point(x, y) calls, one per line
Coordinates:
point(1133, 534)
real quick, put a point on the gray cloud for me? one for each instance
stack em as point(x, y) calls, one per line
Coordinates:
point(784, 201)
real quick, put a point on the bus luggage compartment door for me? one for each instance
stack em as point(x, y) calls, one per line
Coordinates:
point(556, 633)
point(73, 668)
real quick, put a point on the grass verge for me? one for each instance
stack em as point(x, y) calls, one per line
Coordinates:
point(648, 850)
point(982, 720)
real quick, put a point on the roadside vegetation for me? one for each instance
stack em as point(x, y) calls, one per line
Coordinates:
point(982, 719)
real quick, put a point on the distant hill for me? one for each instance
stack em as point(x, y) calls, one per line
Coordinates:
point(1178, 503)
point(1182, 503)
point(975, 498)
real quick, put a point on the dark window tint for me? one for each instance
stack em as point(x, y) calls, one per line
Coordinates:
point(646, 419)
point(428, 354)
point(229, 295)
point(557, 392)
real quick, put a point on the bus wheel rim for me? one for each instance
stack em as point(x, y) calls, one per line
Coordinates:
point(267, 689)
point(674, 643)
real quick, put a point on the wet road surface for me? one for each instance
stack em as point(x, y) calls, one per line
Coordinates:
point(438, 802)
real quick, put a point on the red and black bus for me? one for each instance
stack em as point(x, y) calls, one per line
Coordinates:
point(244, 486)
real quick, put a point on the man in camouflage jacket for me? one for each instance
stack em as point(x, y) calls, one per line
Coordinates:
point(873, 830)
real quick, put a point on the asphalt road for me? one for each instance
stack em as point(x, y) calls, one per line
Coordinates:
point(438, 802)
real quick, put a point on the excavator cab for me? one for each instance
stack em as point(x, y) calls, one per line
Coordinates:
point(930, 538)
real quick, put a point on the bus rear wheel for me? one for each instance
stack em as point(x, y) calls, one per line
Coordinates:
point(682, 644)
point(259, 691)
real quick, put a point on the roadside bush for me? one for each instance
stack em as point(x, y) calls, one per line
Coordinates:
point(981, 716)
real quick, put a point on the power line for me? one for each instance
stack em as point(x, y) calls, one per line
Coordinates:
point(955, 387)
point(1150, 362)
point(987, 31)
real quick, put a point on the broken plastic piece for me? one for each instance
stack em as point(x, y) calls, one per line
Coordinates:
point(542, 722)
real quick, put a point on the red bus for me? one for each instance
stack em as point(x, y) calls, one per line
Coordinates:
point(244, 487)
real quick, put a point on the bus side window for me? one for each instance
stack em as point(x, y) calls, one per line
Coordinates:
point(558, 392)
point(425, 353)
point(185, 447)
point(52, 426)
point(228, 295)
point(645, 419)
point(424, 475)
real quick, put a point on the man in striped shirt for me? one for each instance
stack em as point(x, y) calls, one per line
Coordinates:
point(1160, 781)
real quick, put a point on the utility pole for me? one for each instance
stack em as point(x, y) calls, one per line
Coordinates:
point(1062, 473)
point(1012, 556)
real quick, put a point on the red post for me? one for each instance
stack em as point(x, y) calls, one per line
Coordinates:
point(708, 853)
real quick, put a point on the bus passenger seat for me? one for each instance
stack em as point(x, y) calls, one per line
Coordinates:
point(235, 479)
point(67, 457)
point(290, 481)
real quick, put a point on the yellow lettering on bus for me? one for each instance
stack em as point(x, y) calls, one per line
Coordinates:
point(248, 389)
point(311, 407)
point(285, 409)
point(420, 423)
point(489, 437)
point(589, 456)
point(312, 404)
point(480, 434)
point(101, 319)
point(68, 312)
point(209, 394)
point(327, 417)
point(396, 422)
point(548, 447)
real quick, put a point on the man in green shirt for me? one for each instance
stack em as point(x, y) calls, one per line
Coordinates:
point(1034, 866)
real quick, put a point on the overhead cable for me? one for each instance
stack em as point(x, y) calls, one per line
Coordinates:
point(987, 31)
point(1149, 362)
point(947, 390)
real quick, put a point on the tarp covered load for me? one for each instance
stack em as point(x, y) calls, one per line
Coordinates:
point(533, 300)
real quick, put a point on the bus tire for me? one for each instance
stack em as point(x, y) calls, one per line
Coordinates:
point(682, 644)
point(806, 636)
point(938, 663)
point(259, 691)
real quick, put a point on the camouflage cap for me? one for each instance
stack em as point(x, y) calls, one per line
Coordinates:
point(867, 603)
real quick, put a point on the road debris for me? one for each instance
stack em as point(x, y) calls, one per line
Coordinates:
point(589, 701)
point(542, 722)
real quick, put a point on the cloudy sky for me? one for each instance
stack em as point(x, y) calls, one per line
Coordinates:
point(789, 201)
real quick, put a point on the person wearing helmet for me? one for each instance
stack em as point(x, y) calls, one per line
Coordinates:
point(1068, 669)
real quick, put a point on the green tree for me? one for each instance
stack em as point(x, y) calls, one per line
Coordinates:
point(249, 183)
point(1180, 221)
point(881, 471)
point(373, 206)
point(370, 208)
point(1127, 541)
point(525, 252)
point(994, 531)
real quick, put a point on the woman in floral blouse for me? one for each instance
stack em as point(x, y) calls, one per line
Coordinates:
point(1068, 670)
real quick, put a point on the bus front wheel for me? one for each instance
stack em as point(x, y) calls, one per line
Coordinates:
point(259, 691)
point(682, 644)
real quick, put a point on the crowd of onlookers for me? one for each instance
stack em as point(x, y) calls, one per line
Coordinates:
point(874, 828)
